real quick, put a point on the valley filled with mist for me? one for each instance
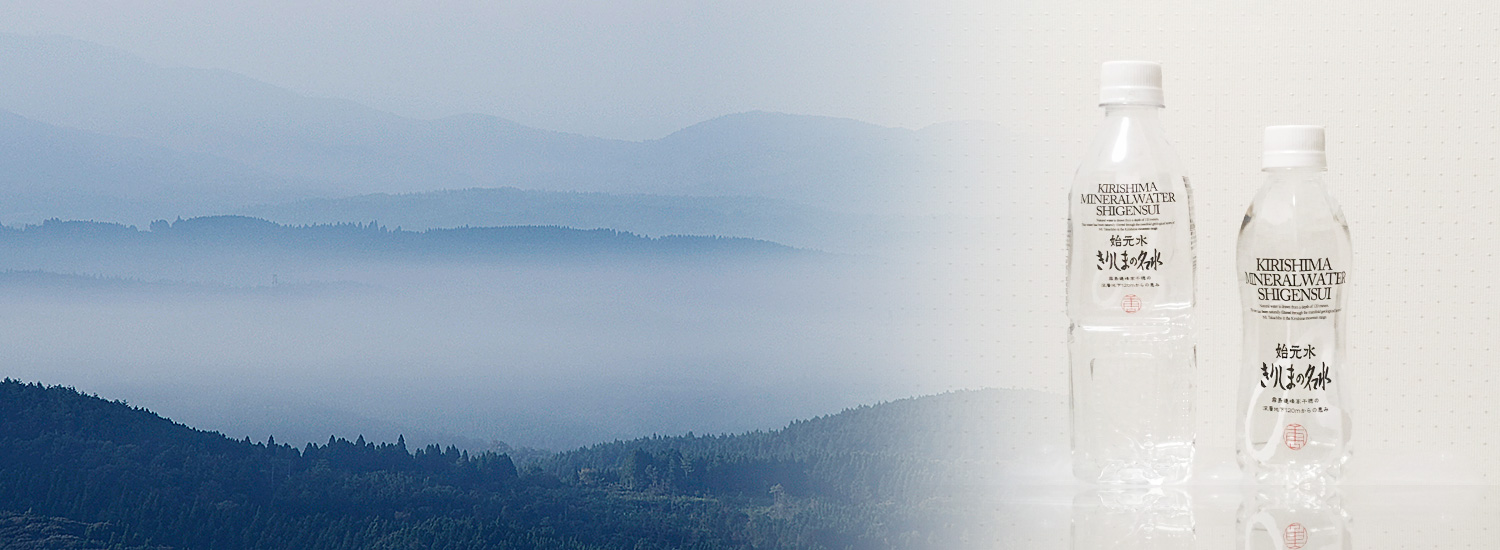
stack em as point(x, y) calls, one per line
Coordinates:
point(538, 337)
point(245, 259)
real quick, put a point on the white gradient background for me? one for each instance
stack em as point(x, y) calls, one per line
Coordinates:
point(1408, 93)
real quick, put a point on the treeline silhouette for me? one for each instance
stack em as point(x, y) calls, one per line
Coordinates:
point(114, 476)
point(900, 450)
point(369, 238)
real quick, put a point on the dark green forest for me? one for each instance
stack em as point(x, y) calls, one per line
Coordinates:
point(78, 471)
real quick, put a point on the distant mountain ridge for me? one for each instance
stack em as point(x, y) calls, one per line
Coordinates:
point(229, 230)
point(771, 219)
point(243, 251)
point(276, 139)
point(47, 170)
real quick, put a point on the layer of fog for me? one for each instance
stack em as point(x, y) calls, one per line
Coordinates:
point(542, 353)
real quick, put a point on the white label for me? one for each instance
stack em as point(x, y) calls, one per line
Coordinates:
point(1126, 238)
point(1294, 302)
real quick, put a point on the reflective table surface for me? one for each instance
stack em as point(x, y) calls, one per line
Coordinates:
point(1230, 516)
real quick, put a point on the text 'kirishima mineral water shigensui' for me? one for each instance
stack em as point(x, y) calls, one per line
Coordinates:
point(1131, 268)
point(1293, 267)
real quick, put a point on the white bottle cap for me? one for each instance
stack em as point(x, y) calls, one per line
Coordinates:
point(1130, 83)
point(1298, 146)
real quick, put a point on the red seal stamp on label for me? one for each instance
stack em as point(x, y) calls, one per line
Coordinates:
point(1295, 437)
point(1295, 536)
point(1131, 303)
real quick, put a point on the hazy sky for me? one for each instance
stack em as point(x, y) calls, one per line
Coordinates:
point(626, 69)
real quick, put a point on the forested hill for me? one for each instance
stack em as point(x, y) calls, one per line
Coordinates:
point(102, 474)
point(241, 232)
point(910, 448)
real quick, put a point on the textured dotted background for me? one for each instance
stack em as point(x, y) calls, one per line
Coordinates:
point(1408, 93)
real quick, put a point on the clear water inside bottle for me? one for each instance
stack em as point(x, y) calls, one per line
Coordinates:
point(1130, 299)
point(1293, 260)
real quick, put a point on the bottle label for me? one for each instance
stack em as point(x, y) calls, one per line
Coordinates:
point(1126, 237)
point(1295, 302)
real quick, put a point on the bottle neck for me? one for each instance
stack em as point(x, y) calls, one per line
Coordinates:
point(1132, 130)
point(1120, 119)
point(1131, 111)
point(1305, 175)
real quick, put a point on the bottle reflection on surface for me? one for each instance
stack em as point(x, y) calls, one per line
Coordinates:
point(1159, 518)
point(1288, 519)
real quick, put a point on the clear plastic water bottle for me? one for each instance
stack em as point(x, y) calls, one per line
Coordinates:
point(1294, 258)
point(1131, 266)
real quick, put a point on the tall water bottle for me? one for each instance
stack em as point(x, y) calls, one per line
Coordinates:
point(1294, 257)
point(1131, 267)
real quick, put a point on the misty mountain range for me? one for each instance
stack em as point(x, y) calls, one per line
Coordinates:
point(513, 283)
point(89, 132)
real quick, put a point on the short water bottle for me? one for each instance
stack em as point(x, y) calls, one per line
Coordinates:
point(1293, 264)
